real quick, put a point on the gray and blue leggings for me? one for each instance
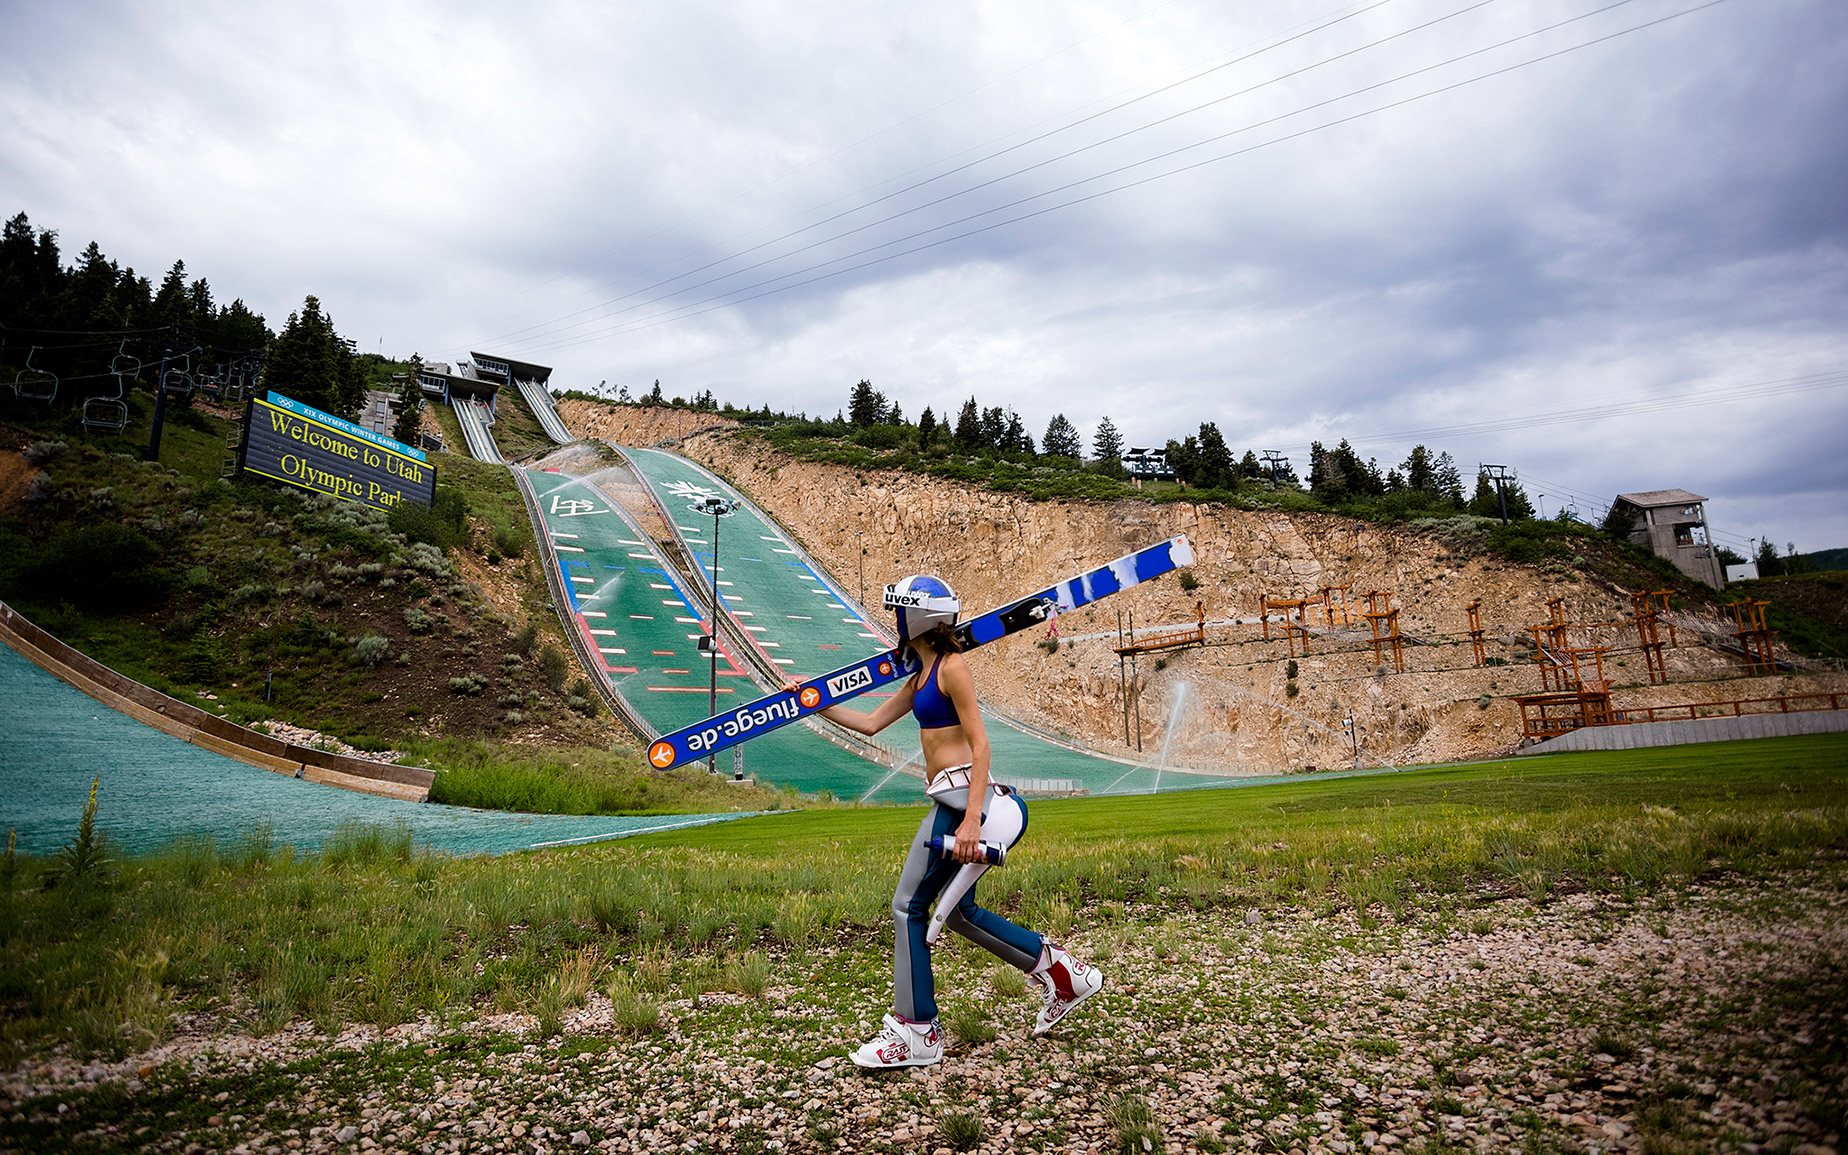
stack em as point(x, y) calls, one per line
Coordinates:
point(924, 878)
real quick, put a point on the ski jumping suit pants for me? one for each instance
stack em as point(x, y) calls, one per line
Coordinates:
point(925, 877)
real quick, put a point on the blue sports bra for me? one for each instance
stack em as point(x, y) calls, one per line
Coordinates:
point(931, 706)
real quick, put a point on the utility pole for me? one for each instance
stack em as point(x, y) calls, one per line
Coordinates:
point(1501, 475)
point(1274, 459)
point(168, 347)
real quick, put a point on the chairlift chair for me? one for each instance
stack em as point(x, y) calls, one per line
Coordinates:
point(214, 386)
point(110, 414)
point(178, 380)
point(34, 384)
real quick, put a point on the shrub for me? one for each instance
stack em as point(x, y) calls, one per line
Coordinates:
point(507, 542)
point(443, 523)
point(417, 621)
point(1188, 581)
point(203, 660)
point(101, 567)
point(525, 638)
point(371, 650)
point(470, 684)
point(582, 698)
point(39, 452)
point(553, 664)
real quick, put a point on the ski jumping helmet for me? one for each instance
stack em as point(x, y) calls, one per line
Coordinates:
point(923, 602)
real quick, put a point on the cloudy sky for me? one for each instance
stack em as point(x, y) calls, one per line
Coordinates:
point(1602, 241)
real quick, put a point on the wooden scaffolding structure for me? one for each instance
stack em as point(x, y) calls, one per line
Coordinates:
point(1383, 622)
point(1292, 627)
point(1474, 610)
point(1754, 637)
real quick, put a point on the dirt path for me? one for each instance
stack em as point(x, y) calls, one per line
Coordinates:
point(1709, 1019)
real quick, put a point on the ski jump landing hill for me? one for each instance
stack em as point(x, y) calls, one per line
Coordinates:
point(802, 622)
point(633, 601)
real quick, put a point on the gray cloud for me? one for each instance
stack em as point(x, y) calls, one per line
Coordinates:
point(1644, 218)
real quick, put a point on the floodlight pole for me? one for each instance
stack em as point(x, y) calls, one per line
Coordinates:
point(716, 506)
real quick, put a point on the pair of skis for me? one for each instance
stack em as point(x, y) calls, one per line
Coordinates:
point(753, 719)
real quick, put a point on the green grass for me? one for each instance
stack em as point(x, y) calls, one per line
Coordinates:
point(244, 579)
point(372, 930)
point(574, 780)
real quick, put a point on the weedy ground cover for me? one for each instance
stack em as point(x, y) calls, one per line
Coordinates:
point(374, 930)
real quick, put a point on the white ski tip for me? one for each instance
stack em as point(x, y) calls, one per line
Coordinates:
point(1181, 550)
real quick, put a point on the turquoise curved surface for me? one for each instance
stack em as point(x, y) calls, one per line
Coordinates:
point(155, 788)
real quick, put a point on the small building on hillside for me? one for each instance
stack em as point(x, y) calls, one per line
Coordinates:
point(478, 379)
point(1672, 523)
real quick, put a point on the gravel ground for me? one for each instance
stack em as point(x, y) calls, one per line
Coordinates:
point(1710, 1018)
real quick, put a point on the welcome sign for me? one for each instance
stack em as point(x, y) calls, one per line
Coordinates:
point(299, 445)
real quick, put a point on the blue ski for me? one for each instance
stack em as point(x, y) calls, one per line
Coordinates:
point(691, 743)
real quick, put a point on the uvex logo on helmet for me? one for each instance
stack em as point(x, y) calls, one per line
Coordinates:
point(923, 603)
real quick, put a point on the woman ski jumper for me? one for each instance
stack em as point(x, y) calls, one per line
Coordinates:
point(967, 809)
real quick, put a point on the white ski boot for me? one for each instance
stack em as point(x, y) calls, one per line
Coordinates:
point(902, 1043)
point(1064, 982)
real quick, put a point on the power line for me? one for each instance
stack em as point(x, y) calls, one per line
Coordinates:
point(718, 301)
point(1003, 152)
point(821, 160)
point(1829, 379)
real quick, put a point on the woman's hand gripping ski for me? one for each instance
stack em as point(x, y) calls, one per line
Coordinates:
point(968, 832)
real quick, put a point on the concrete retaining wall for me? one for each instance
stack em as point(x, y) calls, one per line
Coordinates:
point(1689, 731)
point(204, 729)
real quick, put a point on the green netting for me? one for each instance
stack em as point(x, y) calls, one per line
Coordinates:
point(156, 787)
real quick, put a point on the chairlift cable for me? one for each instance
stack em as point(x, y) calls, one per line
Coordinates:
point(712, 304)
point(915, 185)
point(1353, 11)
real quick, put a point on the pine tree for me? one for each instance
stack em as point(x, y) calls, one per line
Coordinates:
point(865, 405)
point(172, 305)
point(1419, 474)
point(969, 427)
point(1061, 438)
point(408, 417)
point(1184, 459)
point(309, 363)
point(927, 428)
point(1107, 443)
point(1447, 479)
point(1016, 439)
point(1216, 470)
point(994, 427)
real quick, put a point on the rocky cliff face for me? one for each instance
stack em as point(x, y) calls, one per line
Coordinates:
point(1241, 703)
point(634, 424)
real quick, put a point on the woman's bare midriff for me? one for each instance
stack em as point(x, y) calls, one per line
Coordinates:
point(943, 749)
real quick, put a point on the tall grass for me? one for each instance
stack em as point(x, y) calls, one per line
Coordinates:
point(373, 929)
point(576, 780)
